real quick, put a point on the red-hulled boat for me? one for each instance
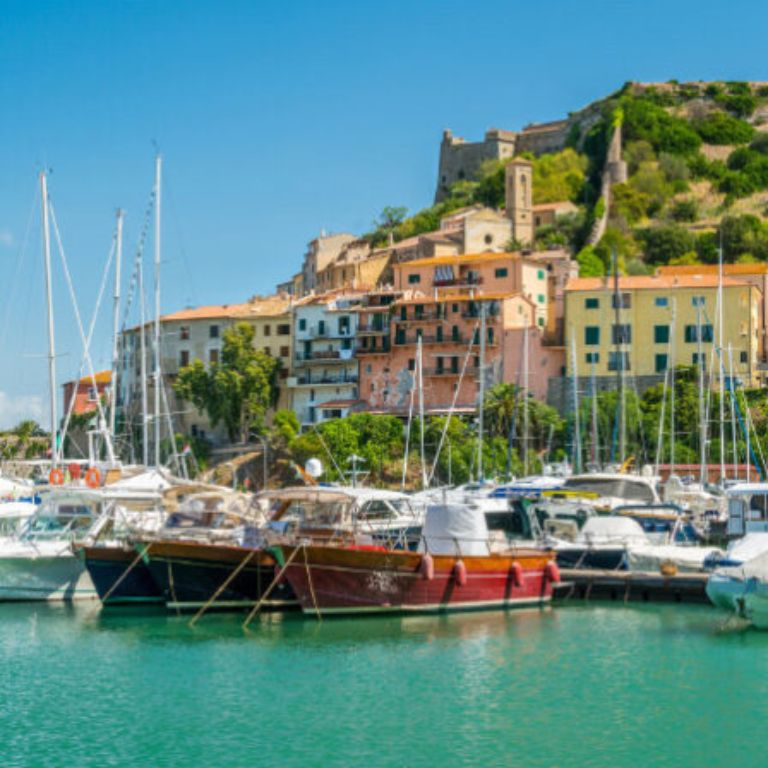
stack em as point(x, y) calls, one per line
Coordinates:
point(457, 569)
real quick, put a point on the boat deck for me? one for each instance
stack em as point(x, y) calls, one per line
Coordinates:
point(631, 585)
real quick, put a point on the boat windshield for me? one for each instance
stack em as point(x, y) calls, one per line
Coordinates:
point(64, 520)
point(617, 488)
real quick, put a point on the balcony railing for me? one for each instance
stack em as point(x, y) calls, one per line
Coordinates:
point(403, 341)
point(362, 349)
point(318, 380)
point(443, 371)
point(372, 328)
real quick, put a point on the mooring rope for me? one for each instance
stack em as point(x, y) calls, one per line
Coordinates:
point(275, 581)
point(232, 576)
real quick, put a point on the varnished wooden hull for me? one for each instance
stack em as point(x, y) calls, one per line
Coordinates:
point(328, 580)
point(188, 574)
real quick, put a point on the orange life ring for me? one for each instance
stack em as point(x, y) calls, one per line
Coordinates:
point(93, 478)
point(56, 477)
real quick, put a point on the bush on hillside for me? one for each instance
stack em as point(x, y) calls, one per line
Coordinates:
point(721, 128)
point(646, 121)
point(662, 244)
point(684, 210)
point(760, 143)
point(559, 176)
point(590, 264)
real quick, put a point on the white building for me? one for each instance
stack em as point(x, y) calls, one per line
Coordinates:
point(324, 378)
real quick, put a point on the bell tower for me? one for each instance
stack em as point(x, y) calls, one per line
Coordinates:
point(518, 198)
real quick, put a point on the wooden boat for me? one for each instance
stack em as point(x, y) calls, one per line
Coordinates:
point(457, 568)
point(188, 574)
point(195, 572)
point(119, 575)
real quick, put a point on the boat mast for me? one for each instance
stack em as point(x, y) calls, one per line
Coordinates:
point(595, 430)
point(481, 394)
point(720, 358)
point(576, 422)
point(619, 360)
point(49, 310)
point(525, 401)
point(116, 321)
point(420, 374)
point(734, 442)
point(673, 352)
point(702, 419)
point(143, 351)
point(157, 424)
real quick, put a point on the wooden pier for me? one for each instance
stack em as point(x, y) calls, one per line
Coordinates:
point(648, 587)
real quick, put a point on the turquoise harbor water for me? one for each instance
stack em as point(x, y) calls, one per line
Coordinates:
point(596, 685)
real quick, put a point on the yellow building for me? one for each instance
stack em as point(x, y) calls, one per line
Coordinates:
point(662, 320)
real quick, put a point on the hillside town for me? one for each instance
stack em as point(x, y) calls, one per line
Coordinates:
point(484, 294)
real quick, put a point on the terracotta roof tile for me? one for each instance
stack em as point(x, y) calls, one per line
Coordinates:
point(649, 282)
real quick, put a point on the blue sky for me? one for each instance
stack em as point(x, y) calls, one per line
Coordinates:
point(277, 120)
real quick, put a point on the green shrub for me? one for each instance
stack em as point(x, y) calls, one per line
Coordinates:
point(760, 143)
point(721, 128)
point(684, 210)
point(590, 264)
point(662, 244)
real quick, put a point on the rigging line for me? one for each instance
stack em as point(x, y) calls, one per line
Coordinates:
point(175, 220)
point(78, 318)
point(453, 403)
point(144, 233)
point(91, 330)
point(327, 450)
point(20, 258)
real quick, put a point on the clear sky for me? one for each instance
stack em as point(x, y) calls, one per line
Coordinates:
point(277, 120)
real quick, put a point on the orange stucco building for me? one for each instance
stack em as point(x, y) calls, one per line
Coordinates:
point(441, 301)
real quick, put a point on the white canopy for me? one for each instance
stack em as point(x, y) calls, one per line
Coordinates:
point(454, 529)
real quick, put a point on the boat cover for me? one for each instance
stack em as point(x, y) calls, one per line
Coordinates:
point(612, 529)
point(451, 529)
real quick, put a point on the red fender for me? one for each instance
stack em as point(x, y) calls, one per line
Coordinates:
point(517, 574)
point(460, 573)
point(427, 567)
point(553, 572)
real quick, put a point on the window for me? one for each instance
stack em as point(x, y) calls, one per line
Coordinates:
point(743, 357)
point(267, 330)
point(501, 272)
point(661, 301)
point(661, 363)
point(403, 313)
point(411, 365)
point(213, 332)
point(488, 239)
point(592, 335)
point(455, 336)
point(455, 308)
point(697, 359)
point(439, 333)
point(621, 333)
point(660, 334)
point(618, 361)
point(184, 333)
point(183, 358)
point(343, 325)
point(413, 279)
point(418, 311)
point(267, 351)
point(490, 335)
point(93, 394)
point(284, 330)
point(697, 301)
point(591, 303)
point(624, 301)
point(213, 356)
point(540, 274)
point(592, 357)
point(303, 324)
point(541, 322)
point(285, 351)
point(692, 333)
point(369, 368)
point(321, 327)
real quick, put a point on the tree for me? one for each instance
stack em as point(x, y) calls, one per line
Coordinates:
point(722, 128)
point(236, 391)
point(662, 244)
point(590, 264)
point(390, 218)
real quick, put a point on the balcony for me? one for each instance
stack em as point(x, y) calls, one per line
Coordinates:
point(318, 381)
point(422, 317)
point(372, 329)
point(443, 371)
point(324, 356)
point(361, 349)
point(429, 339)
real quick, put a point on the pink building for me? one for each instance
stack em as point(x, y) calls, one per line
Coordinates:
point(440, 301)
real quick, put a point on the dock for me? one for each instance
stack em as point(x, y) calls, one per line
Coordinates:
point(648, 587)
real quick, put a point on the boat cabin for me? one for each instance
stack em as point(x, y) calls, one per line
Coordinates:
point(747, 508)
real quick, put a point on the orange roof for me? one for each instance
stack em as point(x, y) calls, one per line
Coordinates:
point(102, 377)
point(712, 269)
point(643, 282)
point(269, 307)
point(469, 258)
